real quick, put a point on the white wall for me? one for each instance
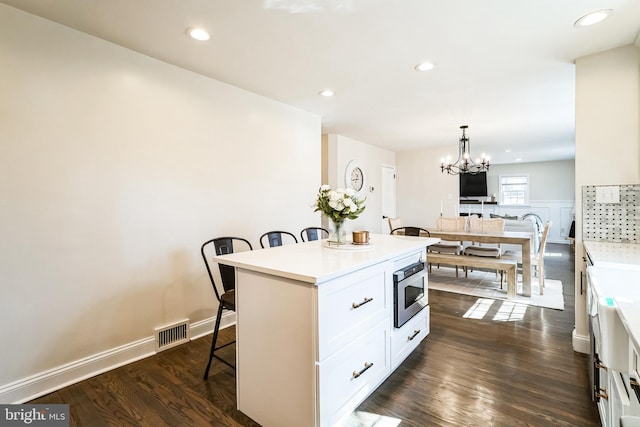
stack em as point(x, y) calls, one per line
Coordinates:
point(340, 150)
point(423, 188)
point(551, 193)
point(607, 140)
point(547, 180)
point(114, 169)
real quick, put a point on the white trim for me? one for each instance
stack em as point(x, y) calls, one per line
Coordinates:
point(501, 189)
point(205, 327)
point(27, 389)
point(54, 379)
point(581, 343)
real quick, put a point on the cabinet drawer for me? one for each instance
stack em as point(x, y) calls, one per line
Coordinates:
point(350, 375)
point(407, 338)
point(349, 307)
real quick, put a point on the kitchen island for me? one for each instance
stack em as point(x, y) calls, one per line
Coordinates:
point(315, 327)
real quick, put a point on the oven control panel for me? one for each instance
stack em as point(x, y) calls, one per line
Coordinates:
point(408, 271)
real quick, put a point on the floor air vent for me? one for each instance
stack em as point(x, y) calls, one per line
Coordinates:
point(172, 335)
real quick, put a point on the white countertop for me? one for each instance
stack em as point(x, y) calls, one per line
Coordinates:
point(314, 263)
point(629, 312)
point(620, 255)
point(617, 271)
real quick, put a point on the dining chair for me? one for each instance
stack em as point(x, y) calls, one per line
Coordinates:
point(448, 247)
point(410, 231)
point(276, 238)
point(313, 233)
point(483, 224)
point(537, 258)
point(226, 295)
point(394, 223)
point(493, 250)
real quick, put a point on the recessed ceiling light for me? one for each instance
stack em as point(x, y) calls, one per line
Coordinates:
point(518, 159)
point(508, 150)
point(593, 18)
point(326, 92)
point(198, 34)
point(424, 66)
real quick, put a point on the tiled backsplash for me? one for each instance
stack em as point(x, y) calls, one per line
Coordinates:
point(611, 222)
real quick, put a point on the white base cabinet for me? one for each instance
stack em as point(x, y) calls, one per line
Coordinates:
point(405, 339)
point(348, 376)
point(308, 355)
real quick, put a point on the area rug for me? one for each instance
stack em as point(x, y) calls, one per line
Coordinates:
point(485, 284)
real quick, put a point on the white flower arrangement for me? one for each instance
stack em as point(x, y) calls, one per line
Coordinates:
point(338, 204)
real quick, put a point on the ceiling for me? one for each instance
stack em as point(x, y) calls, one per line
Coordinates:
point(503, 67)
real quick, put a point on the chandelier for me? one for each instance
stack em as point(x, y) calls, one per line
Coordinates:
point(465, 163)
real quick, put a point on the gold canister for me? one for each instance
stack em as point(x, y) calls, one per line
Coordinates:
point(360, 237)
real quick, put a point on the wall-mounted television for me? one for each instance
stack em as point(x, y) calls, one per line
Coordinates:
point(473, 185)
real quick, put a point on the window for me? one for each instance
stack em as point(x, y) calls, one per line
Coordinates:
point(514, 190)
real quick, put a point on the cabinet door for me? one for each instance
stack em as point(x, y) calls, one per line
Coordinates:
point(634, 380)
point(618, 399)
point(604, 407)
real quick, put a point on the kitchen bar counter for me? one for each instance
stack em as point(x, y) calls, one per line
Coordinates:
point(315, 327)
point(312, 262)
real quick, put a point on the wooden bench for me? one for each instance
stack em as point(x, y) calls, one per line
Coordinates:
point(509, 266)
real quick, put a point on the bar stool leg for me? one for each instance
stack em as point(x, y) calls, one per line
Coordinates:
point(216, 328)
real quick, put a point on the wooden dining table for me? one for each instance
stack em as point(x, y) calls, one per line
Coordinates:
point(507, 237)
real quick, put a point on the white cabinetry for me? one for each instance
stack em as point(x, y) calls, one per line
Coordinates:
point(634, 380)
point(349, 306)
point(613, 306)
point(312, 346)
point(354, 318)
point(405, 339)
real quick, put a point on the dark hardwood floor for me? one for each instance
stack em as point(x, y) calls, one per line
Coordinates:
point(467, 372)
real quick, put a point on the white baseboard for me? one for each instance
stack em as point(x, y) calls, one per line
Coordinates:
point(27, 389)
point(205, 327)
point(581, 343)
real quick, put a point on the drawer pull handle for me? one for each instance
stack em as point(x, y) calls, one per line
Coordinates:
point(415, 334)
point(366, 366)
point(603, 394)
point(366, 300)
